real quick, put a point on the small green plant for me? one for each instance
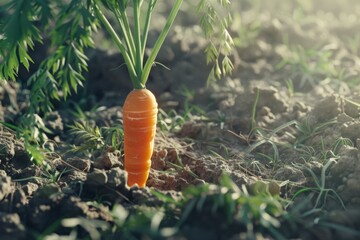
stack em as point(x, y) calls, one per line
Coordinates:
point(226, 203)
point(308, 66)
point(253, 112)
point(145, 222)
point(47, 174)
point(270, 137)
point(34, 138)
point(245, 33)
point(308, 129)
point(353, 44)
point(290, 86)
point(94, 138)
point(170, 121)
point(173, 121)
point(323, 193)
point(179, 166)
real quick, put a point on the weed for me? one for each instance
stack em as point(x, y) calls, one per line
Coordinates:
point(245, 34)
point(253, 112)
point(290, 86)
point(340, 228)
point(89, 135)
point(320, 188)
point(308, 65)
point(181, 167)
point(34, 138)
point(144, 222)
point(93, 138)
point(172, 121)
point(255, 166)
point(92, 226)
point(76, 110)
point(228, 203)
point(308, 129)
point(47, 174)
point(306, 153)
point(353, 44)
point(270, 138)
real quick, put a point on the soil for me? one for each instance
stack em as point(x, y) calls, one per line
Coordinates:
point(258, 103)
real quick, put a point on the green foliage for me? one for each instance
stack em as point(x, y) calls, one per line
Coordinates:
point(93, 138)
point(93, 227)
point(245, 33)
point(62, 69)
point(172, 121)
point(308, 129)
point(89, 136)
point(16, 40)
point(48, 175)
point(69, 27)
point(34, 138)
point(323, 193)
point(207, 205)
point(215, 19)
point(143, 222)
point(270, 137)
point(217, 206)
point(309, 66)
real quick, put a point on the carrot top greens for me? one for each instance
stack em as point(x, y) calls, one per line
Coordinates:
point(132, 42)
point(69, 26)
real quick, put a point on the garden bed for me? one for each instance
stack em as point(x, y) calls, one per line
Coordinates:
point(271, 151)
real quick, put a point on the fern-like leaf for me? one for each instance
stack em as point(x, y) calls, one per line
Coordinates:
point(215, 18)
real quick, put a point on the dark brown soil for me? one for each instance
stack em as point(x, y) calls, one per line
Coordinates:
point(319, 90)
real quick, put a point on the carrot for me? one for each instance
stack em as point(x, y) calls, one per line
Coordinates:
point(139, 121)
point(140, 107)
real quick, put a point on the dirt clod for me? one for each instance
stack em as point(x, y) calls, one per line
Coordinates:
point(6, 186)
point(7, 149)
point(79, 164)
point(351, 130)
point(290, 173)
point(97, 178)
point(328, 108)
point(107, 160)
point(11, 226)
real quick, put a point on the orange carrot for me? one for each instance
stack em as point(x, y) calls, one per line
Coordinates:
point(139, 121)
point(140, 107)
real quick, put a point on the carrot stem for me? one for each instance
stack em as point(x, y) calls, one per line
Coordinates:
point(137, 38)
point(128, 61)
point(123, 22)
point(147, 25)
point(159, 42)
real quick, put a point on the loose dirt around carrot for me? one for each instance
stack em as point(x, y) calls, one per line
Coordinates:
point(285, 126)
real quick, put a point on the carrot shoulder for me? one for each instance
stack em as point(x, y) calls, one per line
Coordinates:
point(139, 121)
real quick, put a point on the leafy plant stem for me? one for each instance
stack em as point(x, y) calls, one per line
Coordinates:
point(253, 113)
point(147, 25)
point(124, 25)
point(115, 37)
point(137, 36)
point(159, 42)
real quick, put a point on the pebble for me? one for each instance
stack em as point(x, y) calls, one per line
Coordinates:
point(107, 160)
point(80, 164)
point(97, 177)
